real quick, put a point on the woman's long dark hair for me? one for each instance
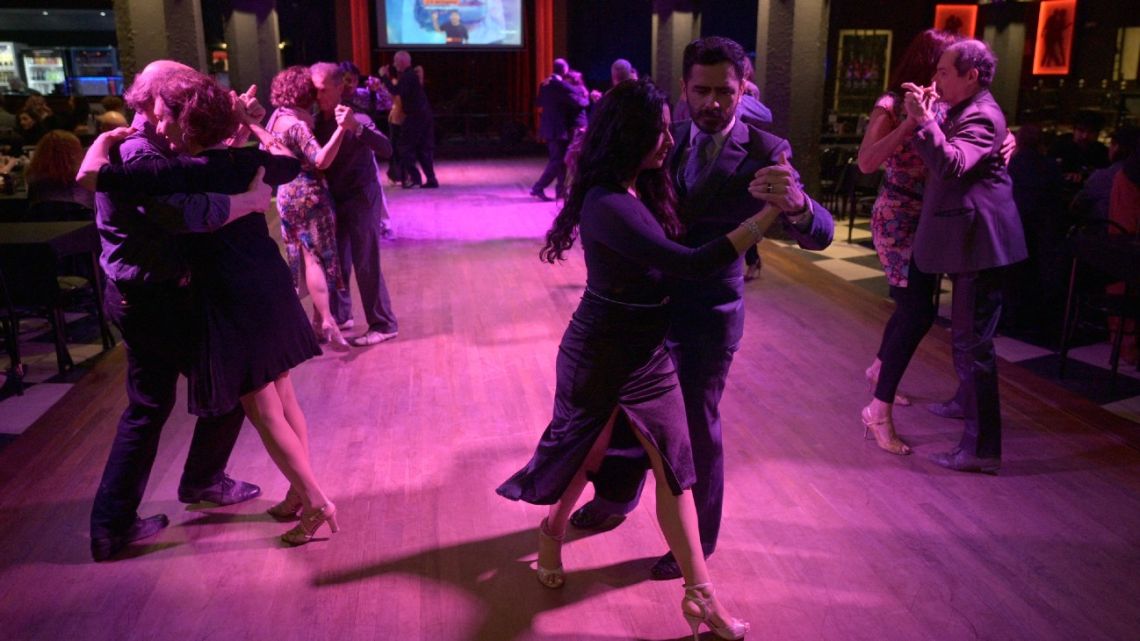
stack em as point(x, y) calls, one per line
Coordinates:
point(920, 60)
point(625, 128)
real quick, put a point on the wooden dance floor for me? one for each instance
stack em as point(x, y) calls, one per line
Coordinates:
point(824, 535)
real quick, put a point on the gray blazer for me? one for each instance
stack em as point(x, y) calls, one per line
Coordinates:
point(969, 221)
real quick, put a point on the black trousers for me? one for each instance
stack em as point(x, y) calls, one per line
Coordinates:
point(913, 316)
point(976, 312)
point(555, 167)
point(417, 144)
point(155, 324)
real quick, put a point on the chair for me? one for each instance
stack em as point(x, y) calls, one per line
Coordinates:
point(10, 326)
point(855, 192)
point(36, 290)
point(1107, 258)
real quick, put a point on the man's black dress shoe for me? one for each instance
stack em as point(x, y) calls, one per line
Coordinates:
point(541, 195)
point(665, 569)
point(408, 184)
point(224, 492)
point(962, 461)
point(589, 517)
point(105, 547)
point(431, 184)
point(947, 409)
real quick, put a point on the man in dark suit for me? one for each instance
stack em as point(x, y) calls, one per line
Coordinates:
point(147, 299)
point(358, 199)
point(724, 171)
point(417, 134)
point(561, 104)
point(969, 229)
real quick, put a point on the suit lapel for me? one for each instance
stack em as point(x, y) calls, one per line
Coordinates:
point(733, 153)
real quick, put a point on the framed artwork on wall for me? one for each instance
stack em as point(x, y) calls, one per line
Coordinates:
point(861, 74)
point(1054, 44)
point(961, 19)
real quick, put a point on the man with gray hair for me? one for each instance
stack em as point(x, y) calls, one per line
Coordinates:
point(147, 299)
point(621, 70)
point(358, 200)
point(560, 104)
point(417, 135)
point(969, 229)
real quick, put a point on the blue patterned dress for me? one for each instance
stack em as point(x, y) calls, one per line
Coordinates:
point(305, 205)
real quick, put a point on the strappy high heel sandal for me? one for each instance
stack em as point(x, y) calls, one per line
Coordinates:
point(697, 606)
point(884, 431)
point(551, 578)
point(288, 509)
point(311, 521)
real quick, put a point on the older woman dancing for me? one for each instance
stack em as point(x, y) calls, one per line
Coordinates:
point(252, 329)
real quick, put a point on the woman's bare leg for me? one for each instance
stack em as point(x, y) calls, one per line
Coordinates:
point(550, 550)
point(677, 516)
point(290, 453)
point(318, 288)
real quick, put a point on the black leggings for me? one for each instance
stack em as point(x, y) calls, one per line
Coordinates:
point(914, 315)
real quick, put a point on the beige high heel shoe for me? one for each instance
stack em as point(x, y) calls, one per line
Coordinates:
point(702, 598)
point(288, 509)
point(884, 432)
point(552, 578)
point(311, 521)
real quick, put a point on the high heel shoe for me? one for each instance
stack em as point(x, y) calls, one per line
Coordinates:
point(702, 597)
point(551, 578)
point(288, 509)
point(884, 431)
point(901, 399)
point(311, 522)
point(331, 334)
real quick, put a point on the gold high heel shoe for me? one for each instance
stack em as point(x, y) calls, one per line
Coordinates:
point(884, 432)
point(334, 338)
point(551, 578)
point(901, 399)
point(311, 521)
point(288, 509)
point(702, 596)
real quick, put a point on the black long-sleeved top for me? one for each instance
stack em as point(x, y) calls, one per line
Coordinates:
point(628, 255)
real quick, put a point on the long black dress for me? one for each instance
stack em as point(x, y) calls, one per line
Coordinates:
point(250, 326)
point(612, 354)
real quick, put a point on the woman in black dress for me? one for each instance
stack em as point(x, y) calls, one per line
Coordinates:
point(612, 357)
point(252, 328)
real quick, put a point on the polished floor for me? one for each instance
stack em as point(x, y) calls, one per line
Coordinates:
point(825, 536)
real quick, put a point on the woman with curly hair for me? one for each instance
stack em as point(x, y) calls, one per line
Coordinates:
point(51, 172)
point(252, 329)
point(612, 358)
point(308, 223)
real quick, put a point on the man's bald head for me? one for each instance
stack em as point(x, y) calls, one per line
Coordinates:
point(140, 96)
point(402, 60)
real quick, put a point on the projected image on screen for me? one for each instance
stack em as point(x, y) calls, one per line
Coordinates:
point(451, 23)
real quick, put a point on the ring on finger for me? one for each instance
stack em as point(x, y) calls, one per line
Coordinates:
point(769, 188)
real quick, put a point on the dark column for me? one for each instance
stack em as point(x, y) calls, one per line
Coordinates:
point(791, 46)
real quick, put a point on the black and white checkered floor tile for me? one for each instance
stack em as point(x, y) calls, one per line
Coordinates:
point(1087, 373)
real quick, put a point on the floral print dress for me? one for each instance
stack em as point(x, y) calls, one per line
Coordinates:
point(894, 216)
point(306, 206)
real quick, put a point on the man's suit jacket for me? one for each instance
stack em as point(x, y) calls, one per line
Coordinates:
point(560, 105)
point(718, 202)
point(969, 219)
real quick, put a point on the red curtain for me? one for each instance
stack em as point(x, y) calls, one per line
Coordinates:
point(361, 36)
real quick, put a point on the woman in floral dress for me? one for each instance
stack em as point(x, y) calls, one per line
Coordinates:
point(894, 221)
point(308, 224)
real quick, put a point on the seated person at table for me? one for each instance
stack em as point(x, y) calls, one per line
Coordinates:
point(51, 172)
